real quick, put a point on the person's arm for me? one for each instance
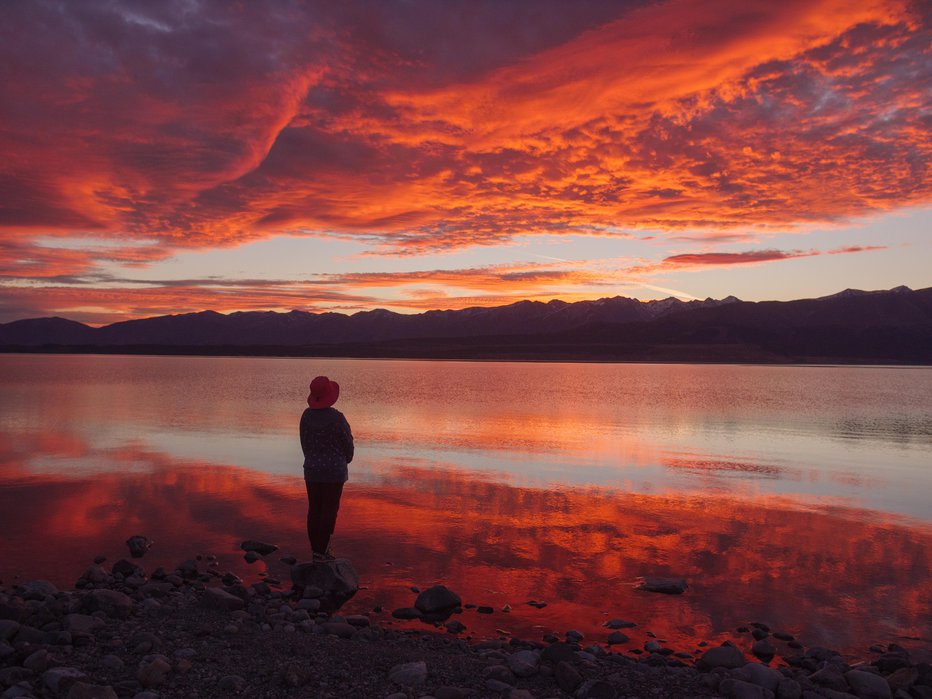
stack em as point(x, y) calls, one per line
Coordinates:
point(348, 447)
point(302, 432)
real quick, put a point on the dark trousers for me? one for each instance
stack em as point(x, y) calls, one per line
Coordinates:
point(323, 503)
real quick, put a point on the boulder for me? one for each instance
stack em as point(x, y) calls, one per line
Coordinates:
point(524, 663)
point(867, 685)
point(567, 677)
point(726, 656)
point(666, 586)
point(337, 580)
point(438, 598)
point(761, 675)
point(259, 547)
point(138, 545)
point(37, 590)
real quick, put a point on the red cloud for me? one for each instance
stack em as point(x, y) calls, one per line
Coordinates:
point(734, 258)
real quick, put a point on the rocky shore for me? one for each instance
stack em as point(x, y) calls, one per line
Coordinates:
point(196, 632)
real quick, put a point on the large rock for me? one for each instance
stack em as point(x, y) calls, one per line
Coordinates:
point(83, 690)
point(524, 663)
point(111, 602)
point(138, 545)
point(259, 547)
point(37, 590)
point(437, 599)
point(758, 674)
point(726, 656)
point(666, 586)
point(867, 685)
point(59, 679)
point(336, 579)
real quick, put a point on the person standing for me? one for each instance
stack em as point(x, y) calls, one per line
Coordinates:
point(327, 443)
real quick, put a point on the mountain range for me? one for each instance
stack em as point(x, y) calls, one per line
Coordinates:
point(852, 326)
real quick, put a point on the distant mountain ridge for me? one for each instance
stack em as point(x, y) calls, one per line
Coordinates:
point(893, 326)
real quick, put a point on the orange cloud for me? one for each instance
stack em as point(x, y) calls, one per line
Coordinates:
point(419, 129)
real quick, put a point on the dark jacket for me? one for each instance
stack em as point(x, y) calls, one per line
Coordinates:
point(327, 443)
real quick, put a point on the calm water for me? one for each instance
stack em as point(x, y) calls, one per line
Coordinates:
point(798, 496)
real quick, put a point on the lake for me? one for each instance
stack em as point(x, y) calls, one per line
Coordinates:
point(794, 496)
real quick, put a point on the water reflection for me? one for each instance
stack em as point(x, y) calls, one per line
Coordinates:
point(834, 575)
point(795, 496)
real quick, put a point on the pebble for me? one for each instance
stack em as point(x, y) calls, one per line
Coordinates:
point(619, 624)
point(112, 662)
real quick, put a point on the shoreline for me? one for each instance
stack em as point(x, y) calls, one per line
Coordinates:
point(227, 353)
point(194, 632)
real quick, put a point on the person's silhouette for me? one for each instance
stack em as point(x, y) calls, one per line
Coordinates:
point(327, 443)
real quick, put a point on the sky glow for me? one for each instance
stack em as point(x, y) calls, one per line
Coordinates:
point(179, 156)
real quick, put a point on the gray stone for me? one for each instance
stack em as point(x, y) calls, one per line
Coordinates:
point(726, 656)
point(574, 636)
point(37, 590)
point(83, 690)
point(619, 624)
point(82, 623)
point(567, 677)
point(215, 598)
point(112, 662)
point(138, 545)
point(438, 598)
point(666, 586)
point(407, 613)
point(259, 547)
point(8, 629)
point(830, 677)
point(154, 673)
point(558, 652)
point(761, 675)
point(310, 605)
point(409, 674)
point(358, 620)
point(336, 579)
point(616, 637)
point(653, 646)
point(110, 602)
point(524, 663)
point(763, 649)
point(59, 679)
point(789, 689)
point(95, 574)
point(867, 685)
point(30, 634)
point(456, 626)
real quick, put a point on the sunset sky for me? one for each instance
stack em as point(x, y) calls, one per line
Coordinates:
point(176, 156)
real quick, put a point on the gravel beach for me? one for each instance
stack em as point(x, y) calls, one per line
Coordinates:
point(192, 632)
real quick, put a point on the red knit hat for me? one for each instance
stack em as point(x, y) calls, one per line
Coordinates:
point(324, 393)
